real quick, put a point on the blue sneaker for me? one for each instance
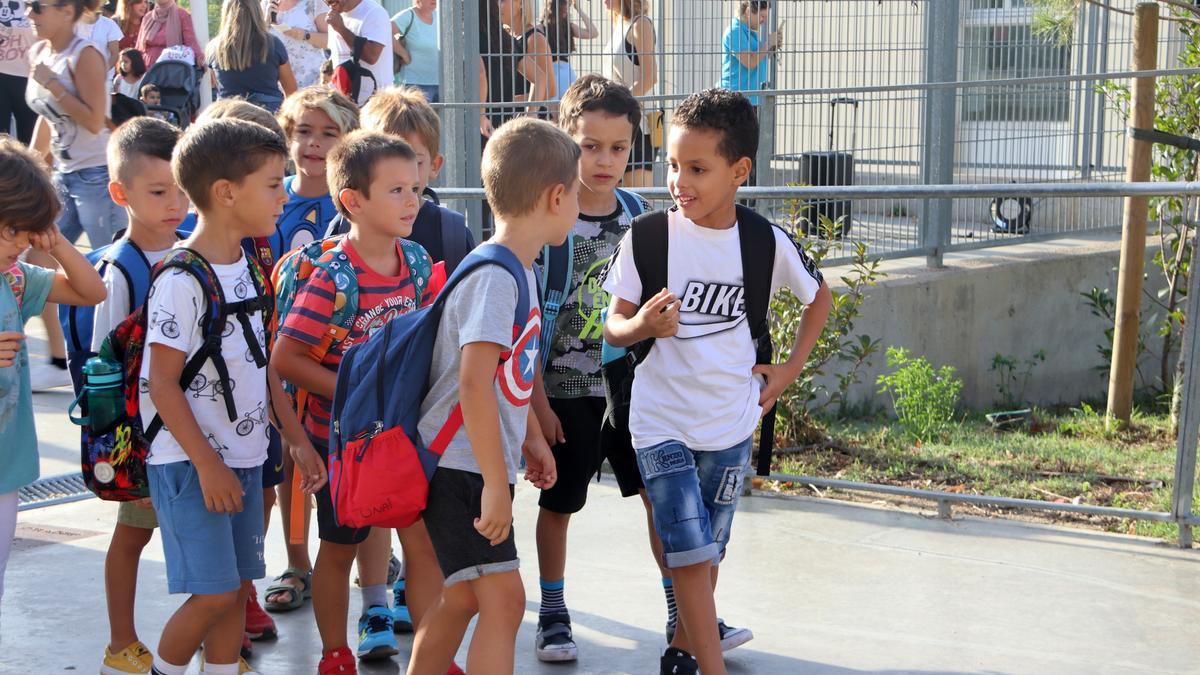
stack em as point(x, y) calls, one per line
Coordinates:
point(401, 619)
point(375, 638)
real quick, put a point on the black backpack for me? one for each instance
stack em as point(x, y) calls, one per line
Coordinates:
point(348, 75)
point(649, 238)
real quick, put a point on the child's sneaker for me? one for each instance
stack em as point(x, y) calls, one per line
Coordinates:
point(376, 641)
point(677, 662)
point(247, 648)
point(401, 619)
point(554, 642)
point(259, 624)
point(732, 637)
point(337, 662)
point(243, 667)
point(135, 658)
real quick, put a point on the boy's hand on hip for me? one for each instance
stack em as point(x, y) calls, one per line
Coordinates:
point(10, 346)
point(221, 487)
point(540, 468)
point(495, 514)
point(310, 466)
point(659, 317)
point(778, 378)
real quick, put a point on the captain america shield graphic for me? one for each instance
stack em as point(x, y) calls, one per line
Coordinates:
point(517, 373)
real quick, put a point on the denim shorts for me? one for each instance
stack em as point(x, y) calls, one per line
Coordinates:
point(207, 553)
point(87, 206)
point(693, 495)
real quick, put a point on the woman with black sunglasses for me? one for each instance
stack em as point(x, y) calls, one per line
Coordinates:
point(69, 92)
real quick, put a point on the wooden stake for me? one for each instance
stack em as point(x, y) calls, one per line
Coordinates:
point(1133, 237)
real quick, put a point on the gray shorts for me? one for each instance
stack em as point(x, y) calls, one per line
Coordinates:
point(450, 513)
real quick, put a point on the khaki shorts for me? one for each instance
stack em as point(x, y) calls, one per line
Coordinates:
point(142, 517)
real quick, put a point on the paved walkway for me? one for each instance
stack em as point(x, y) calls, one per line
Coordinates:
point(827, 587)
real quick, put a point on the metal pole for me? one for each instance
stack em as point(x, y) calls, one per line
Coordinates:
point(766, 114)
point(460, 78)
point(1086, 92)
point(1133, 238)
point(939, 124)
point(199, 14)
point(1189, 417)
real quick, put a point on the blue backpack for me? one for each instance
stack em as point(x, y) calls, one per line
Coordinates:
point(77, 322)
point(558, 264)
point(379, 467)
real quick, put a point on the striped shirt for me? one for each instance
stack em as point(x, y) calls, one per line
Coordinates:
point(380, 299)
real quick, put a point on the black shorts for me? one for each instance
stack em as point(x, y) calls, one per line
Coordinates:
point(642, 154)
point(327, 525)
point(463, 554)
point(579, 458)
point(617, 447)
point(272, 473)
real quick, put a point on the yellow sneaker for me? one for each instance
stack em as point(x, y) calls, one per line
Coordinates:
point(135, 658)
point(243, 667)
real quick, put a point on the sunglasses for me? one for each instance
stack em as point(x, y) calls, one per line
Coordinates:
point(37, 6)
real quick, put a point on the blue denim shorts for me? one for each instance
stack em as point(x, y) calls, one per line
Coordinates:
point(207, 553)
point(693, 495)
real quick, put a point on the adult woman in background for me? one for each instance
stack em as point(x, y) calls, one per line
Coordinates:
point(168, 25)
point(247, 61)
point(515, 57)
point(417, 45)
point(102, 32)
point(301, 25)
point(632, 63)
point(535, 65)
point(67, 90)
point(561, 33)
point(129, 19)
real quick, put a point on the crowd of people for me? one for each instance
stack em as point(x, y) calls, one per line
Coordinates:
point(287, 168)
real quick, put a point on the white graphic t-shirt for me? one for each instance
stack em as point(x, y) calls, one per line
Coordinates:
point(697, 387)
point(174, 309)
point(370, 20)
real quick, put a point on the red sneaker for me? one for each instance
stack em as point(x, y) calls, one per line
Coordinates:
point(455, 670)
point(259, 624)
point(338, 661)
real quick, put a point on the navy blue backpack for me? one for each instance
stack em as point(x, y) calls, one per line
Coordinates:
point(77, 322)
point(379, 468)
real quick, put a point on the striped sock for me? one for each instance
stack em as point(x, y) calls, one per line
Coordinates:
point(552, 597)
point(672, 610)
point(161, 667)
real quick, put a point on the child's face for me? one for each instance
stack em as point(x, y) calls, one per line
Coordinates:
point(700, 180)
point(312, 139)
point(13, 243)
point(152, 98)
point(429, 163)
point(604, 141)
point(258, 199)
point(124, 65)
point(151, 196)
point(395, 198)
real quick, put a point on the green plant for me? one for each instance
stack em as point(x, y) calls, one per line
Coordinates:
point(838, 353)
point(924, 399)
point(1013, 377)
point(1102, 304)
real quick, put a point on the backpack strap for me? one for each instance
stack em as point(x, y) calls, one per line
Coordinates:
point(420, 268)
point(632, 204)
point(756, 237)
point(650, 239)
point(558, 263)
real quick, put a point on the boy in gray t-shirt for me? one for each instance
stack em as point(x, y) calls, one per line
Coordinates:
point(530, 171)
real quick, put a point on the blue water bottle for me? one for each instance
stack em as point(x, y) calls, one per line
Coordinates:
point(102, 393)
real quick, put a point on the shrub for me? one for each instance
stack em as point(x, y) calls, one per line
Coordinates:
point(924, 399)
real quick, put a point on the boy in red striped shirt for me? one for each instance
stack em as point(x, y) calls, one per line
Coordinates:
point(375, 185)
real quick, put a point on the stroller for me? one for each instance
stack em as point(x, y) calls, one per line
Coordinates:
point(179, 85)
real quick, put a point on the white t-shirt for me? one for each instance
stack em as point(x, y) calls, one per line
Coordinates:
point(101, 33)
point(173, 312)
point(370, 20)
point(697, 387)
point(131, 89)
point(116, 307)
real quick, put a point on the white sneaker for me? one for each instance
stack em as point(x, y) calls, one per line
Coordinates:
point(44, 376)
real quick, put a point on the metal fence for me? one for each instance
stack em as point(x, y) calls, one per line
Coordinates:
point(1013, 105)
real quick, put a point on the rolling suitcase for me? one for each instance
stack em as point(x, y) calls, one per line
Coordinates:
point(832, 167)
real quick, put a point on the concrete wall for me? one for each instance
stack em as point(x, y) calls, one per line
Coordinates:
point(1013, 301)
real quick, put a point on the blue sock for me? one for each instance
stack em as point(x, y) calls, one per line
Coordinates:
point(672, 610)
point(552, 597)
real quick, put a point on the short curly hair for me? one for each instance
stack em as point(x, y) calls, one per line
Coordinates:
point(726, 112)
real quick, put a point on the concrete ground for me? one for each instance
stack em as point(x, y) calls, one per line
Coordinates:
point(827, 587)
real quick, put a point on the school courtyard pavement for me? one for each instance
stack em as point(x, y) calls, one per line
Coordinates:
point(827, 587)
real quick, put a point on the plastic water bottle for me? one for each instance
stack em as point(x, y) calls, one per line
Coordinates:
point(102, 387)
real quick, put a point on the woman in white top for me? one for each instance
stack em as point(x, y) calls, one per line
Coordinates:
point(301, 26)
point(417, 44)
point(68, 91)
point(102, 32)
point(631, 55)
